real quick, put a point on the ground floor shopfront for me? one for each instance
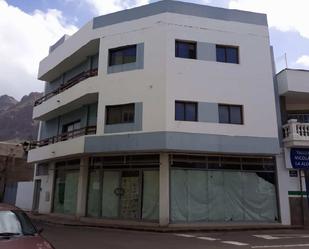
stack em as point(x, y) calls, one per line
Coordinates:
point(163, 188)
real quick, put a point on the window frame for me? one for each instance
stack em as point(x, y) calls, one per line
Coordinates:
point(225, 47)
point(118, 49)
point(185, 42)
point(229, 113)
point(186, 103)
point(107, 112)
point(67, 125)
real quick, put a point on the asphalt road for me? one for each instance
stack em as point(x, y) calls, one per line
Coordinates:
point(97, 238)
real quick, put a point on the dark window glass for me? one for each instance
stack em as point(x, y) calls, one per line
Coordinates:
point(120, 114)
point(236, 114)
point(227, 54)
point(191, 112)
point(185, 111)
point(232, 55)
point(122, 55)
point(230, 114)
point(185, 49)
point(224, 114)
point(180, 111)
point(221, 54)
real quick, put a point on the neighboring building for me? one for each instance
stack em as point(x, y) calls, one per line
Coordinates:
point(14, 169)
point(293, 89)
point(164, 113)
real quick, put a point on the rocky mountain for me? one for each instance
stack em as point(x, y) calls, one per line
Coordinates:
point(6, 102)
point(16, 122)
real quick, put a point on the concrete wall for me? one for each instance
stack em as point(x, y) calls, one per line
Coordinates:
point(24, 197)
point(201, 80)
point(291, 80)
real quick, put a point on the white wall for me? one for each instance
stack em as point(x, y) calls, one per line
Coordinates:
point(24, 196)
point(46, 193)
point(166, 78)
point(293, 81)
point(249, 83)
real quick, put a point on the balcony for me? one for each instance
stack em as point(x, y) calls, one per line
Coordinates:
point(89, 130)
point(72, 82)
point(296, 134)
point(84, 93)
point(293, 81)
point(64, 145)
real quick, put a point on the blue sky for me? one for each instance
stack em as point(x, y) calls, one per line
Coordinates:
point(48, 20)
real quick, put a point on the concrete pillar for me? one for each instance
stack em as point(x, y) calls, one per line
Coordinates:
point(82, 188)
point(48, 193)
point(164, 205)
point(283, 190)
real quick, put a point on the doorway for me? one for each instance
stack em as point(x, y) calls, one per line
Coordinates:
point(126, 194)
point(36, 196)
point(130, 195)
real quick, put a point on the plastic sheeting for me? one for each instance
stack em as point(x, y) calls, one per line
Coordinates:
point(110, 201)
point(65, 199)
point(93, 206)
point(151, 195)
point(70, 193)
point(200, 195)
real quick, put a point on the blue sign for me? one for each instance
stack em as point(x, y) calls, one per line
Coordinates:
point(300, 158)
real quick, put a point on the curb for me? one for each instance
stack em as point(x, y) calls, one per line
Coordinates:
point(166, 229)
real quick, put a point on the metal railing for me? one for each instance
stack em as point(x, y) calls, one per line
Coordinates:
point(89, 130)
point(72, 82)
point(300, 117)
point(294, 130)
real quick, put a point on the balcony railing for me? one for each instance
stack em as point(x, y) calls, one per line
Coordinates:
point(89, 130)
point(72, 82)
point(294, 130)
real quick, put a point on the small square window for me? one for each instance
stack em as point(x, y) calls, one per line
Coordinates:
point(185, 49)
point(119, 114)
point(122, 55)
point(185, 111)
point(227, 54)
point(230, 114)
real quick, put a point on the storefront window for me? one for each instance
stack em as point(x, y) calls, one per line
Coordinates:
point(122, 192)
point(151, 195)
point(111, 193)
point(223, 194)
point(66, 184)
point(94, 193)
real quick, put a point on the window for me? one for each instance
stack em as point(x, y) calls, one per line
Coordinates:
point(122, 55)
point(120, 114)
point(185, 111)
point(231, 114)
point(185, 49)
point(227, 54)
point(71, 126)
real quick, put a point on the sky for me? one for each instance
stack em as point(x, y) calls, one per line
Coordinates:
point(29, 27)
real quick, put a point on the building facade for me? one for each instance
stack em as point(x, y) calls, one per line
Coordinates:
point(166, 113)
point(14, 169)
point(293, 92)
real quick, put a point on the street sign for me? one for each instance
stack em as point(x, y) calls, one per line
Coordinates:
point(293, 173)
point(300, 158)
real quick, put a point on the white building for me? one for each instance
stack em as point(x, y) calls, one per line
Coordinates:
point(165, 113)
point(293, 89)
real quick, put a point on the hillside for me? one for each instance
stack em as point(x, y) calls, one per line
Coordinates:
point(16, 122)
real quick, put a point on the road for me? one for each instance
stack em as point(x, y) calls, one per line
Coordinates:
point(97, 238)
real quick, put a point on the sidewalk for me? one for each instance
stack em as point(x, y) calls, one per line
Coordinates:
point(65, 220)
